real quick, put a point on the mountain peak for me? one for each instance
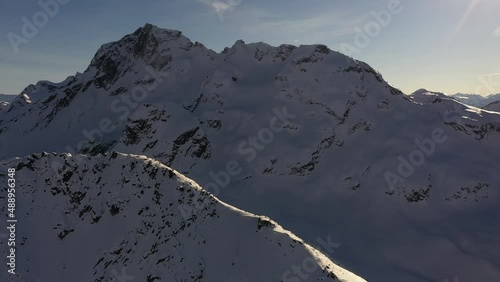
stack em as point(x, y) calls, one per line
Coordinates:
point(153, 45)
point(425, 96)
point(143, 43)
point(420, 91)
point(152, 32)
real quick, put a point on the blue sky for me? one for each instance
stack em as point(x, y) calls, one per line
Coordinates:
point(442, 45)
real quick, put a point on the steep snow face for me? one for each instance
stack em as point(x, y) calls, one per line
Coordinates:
point(476, 100)
point(117, 216)
point(316, 140)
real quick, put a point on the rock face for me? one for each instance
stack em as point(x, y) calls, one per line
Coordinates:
point(120, 216)
point(305, 135)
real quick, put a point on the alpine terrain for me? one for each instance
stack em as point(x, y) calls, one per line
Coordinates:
point(393, 187)
point(116, 218)
point(493, 106)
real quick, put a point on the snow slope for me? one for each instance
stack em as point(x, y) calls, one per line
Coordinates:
point(116, 218)
point(319, 140)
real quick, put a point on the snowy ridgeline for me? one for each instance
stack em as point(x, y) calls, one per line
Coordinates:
point(132, 218)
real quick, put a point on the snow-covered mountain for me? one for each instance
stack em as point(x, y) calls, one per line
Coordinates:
point(316, 140)
point(424, 96)
point(477, 100)
point(494, 106)
point(116, 218)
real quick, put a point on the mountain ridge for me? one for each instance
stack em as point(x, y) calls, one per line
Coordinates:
point(120, 214)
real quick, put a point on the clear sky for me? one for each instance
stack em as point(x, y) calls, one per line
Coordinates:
point(442, 45)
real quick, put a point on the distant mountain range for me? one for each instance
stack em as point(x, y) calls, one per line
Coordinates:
point(7, 97)
point(491, 102)
point(476, 100)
